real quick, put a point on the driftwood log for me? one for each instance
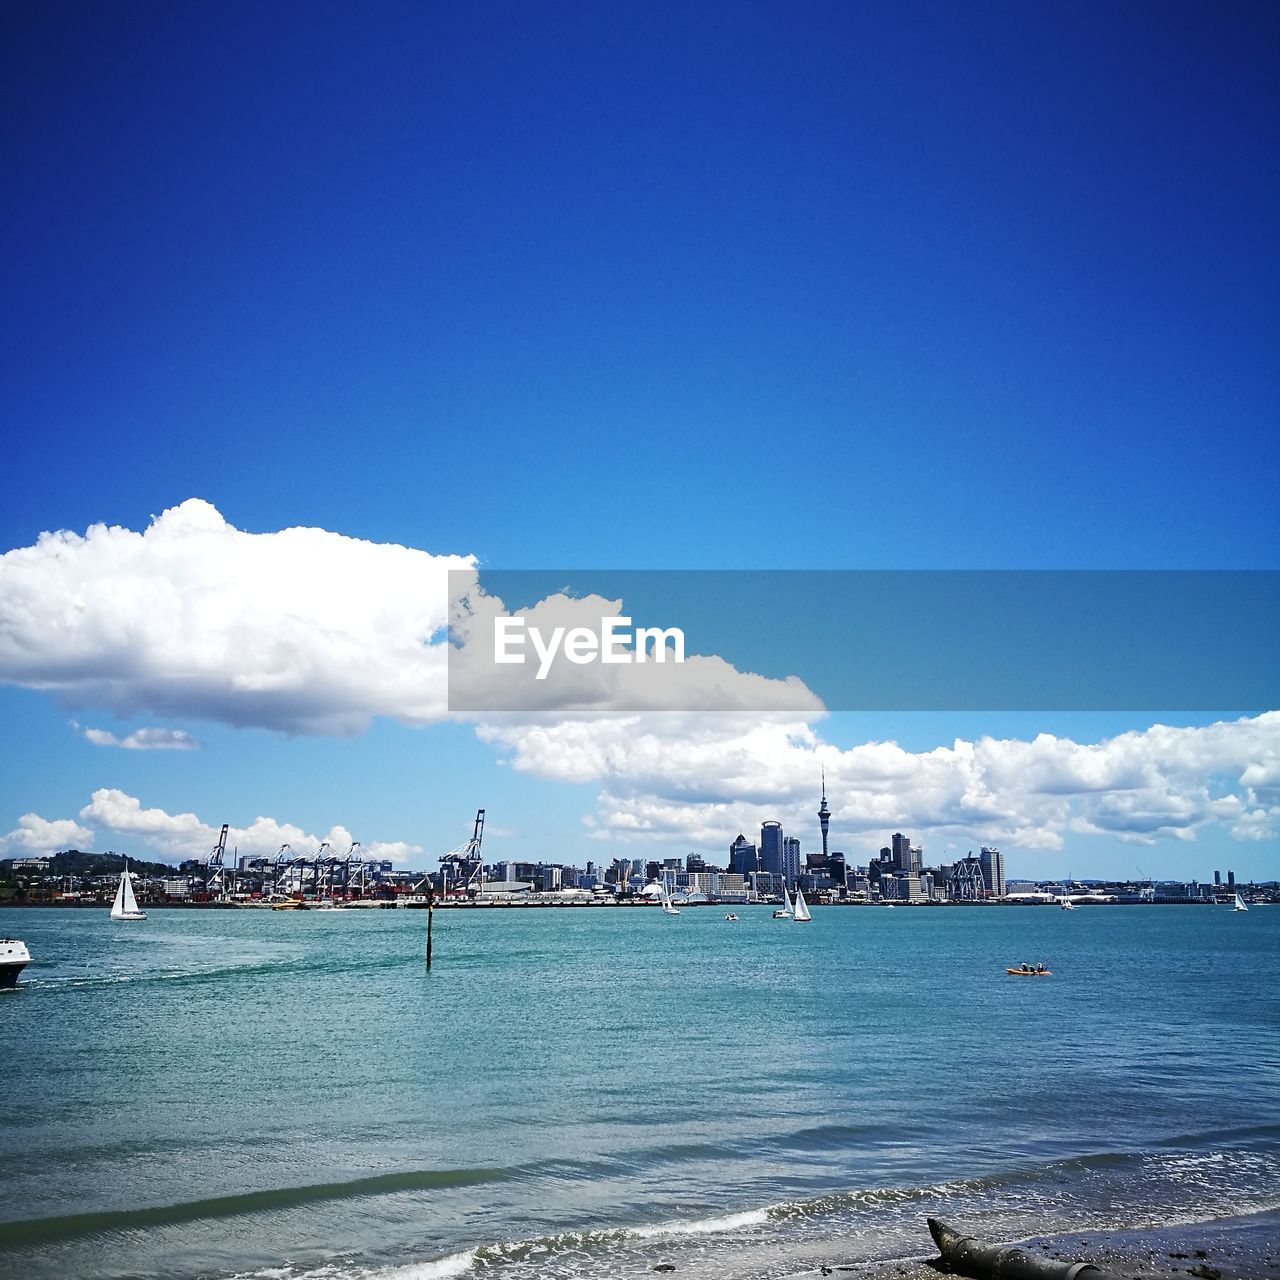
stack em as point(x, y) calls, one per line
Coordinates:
point(965, 1256)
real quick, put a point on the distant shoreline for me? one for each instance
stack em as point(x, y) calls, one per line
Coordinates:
point(525, 904)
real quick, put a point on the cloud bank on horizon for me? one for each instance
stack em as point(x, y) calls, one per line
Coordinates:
point(682, 777)
point(175, 837)
point(307, 631)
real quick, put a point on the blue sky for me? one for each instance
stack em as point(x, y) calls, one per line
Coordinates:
point(839, 286)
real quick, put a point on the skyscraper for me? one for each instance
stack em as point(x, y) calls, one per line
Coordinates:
point(992, 864)
point(791, 860)
point(902, 853)
point(824, 814)
point(771, 847)
point(742, 857)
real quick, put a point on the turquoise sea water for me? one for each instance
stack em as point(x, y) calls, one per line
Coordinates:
point(591, 1092)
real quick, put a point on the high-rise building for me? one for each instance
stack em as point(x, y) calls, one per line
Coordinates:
point(824, 814)
point(1231, 879)
point(742, 857)
point(790, 860)
point(771, 847)
point(1217, 877)
point(902, 853)
point(992, 863)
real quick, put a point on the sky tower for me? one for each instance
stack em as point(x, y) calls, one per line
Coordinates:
point(824, 814)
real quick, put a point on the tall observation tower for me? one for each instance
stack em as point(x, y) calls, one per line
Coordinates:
point(824, 814)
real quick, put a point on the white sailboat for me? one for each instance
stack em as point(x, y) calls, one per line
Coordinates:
point(668, 907)
point(784, 911)
point(802, 907)
point(1239, 905)
point(125, 907)
point(1066, 904)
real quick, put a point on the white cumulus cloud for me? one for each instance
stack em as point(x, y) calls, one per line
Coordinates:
point(150, 738)
point(702, 779)
point(177, 836)
point(36, 835)
point(301, 630)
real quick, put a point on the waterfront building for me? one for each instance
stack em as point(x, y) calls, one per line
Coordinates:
point(727, 887)
point(767, 884)
point(902, 888)
point(992, 863)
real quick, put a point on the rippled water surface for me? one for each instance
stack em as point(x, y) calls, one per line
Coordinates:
point(591, 1092)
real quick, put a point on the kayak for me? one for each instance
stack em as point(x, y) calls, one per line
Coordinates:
point(1031, 973)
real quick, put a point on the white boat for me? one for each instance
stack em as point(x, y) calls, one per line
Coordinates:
point(730, 916)
point(14, 957)
point(1239, 905)
point(125, 907)
point(802, 908)
point(784, 911)
point(1066, 904)
point(668, 907)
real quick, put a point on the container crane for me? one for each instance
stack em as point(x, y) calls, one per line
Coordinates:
point(215, 880)
point(465, 861)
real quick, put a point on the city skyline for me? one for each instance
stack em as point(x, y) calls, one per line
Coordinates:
point(659, 292)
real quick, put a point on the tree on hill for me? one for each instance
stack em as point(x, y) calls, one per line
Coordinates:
point(75, 862)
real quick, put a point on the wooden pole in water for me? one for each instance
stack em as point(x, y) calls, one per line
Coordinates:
point(431, 900)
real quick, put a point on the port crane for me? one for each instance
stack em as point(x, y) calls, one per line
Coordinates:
point(353, 869)
point(465, 862)
point(215, 881)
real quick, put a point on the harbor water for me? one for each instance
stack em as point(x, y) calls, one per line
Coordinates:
point(595, 1092)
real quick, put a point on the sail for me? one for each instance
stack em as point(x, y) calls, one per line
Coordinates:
point(125, 907)
point(786, 900)
point(802, 907)
point(118, 907)
point(1240, 904)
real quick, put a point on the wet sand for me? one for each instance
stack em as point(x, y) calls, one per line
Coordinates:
point(1245, 1248)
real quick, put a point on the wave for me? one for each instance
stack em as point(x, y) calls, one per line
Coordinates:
point(1071, 1182)
point(704, 1226)
point(488, 1256)
point(224, 971)
point(67, 1226)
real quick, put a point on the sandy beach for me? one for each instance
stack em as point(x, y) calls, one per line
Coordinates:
point(1246, 1248)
